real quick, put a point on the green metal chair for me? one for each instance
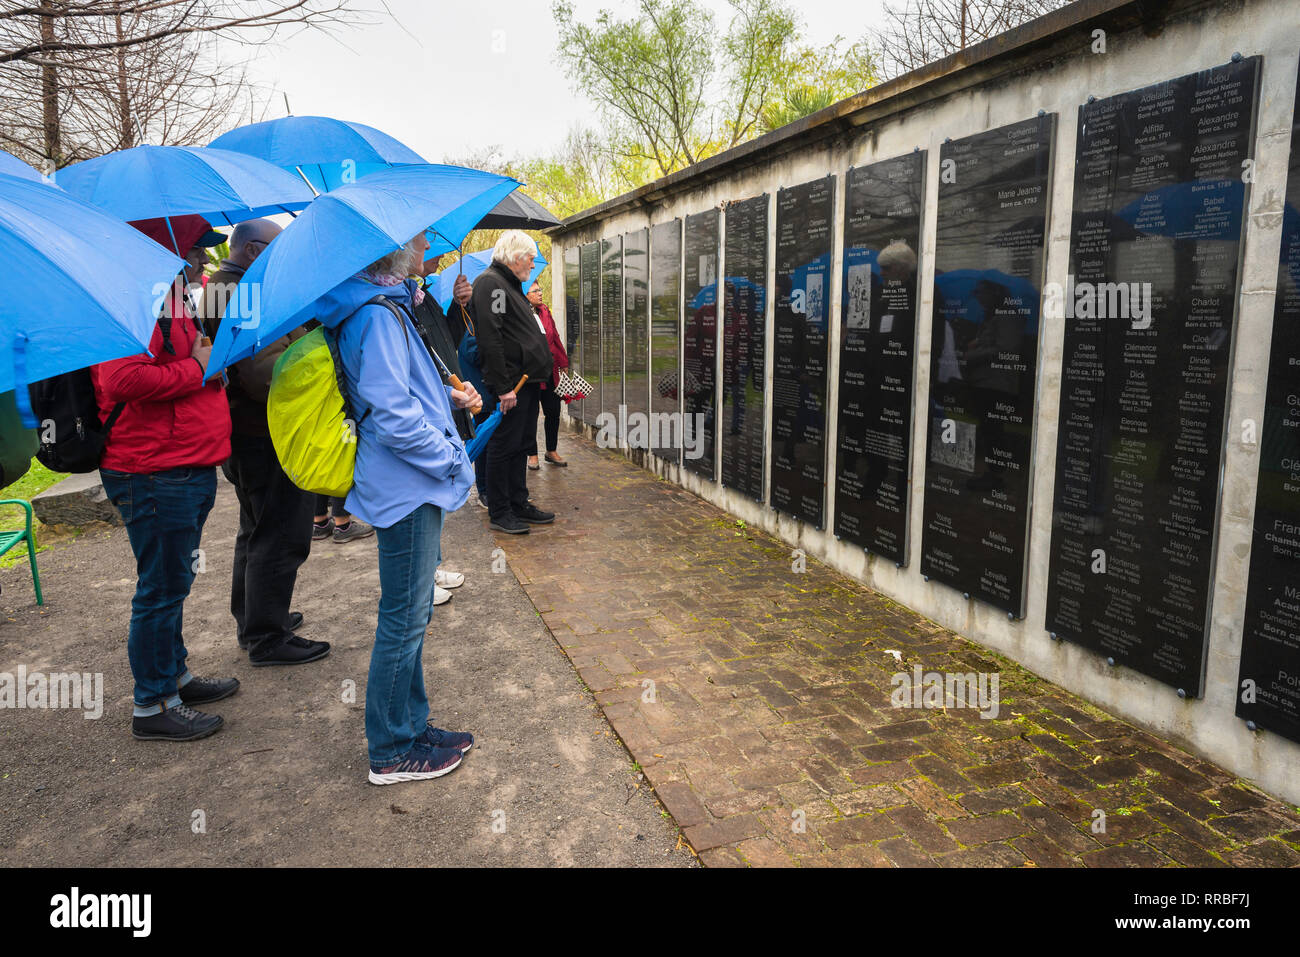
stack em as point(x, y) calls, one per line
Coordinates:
point(9, 539)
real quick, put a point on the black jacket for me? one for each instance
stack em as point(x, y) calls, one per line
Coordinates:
point(510, 343)
point(431, 322)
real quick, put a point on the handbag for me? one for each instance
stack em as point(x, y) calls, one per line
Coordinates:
point(572, 386)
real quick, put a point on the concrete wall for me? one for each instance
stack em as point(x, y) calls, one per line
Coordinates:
point(1052, 69)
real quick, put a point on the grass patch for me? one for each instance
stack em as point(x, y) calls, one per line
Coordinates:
point(14, 517)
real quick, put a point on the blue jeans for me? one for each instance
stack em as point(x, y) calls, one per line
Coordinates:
point(164, 514)
point(397, 708)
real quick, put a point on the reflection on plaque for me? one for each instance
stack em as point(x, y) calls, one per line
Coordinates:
point(804, 215)
point(700, 341)
point(636, 323)
point(611, 326)
point(665, 338)
point(992, 221)
point(589, 361)
point(572, 312)
point(743, 331)
point(882, 236)
point(1149, 309)
point(1270, 644)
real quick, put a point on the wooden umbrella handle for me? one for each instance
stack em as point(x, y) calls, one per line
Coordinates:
point(520, 384)
point(460, 386)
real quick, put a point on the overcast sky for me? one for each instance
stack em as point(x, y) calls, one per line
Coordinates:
point(446, 53)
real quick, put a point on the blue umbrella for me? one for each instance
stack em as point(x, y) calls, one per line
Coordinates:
point(79, 286)
point(153, 182)
point(342, 232)
point(328, 153)
point(472, 265)
point(482, 432)
point(13, 166)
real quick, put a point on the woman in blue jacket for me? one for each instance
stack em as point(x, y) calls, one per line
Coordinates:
point(411, 468)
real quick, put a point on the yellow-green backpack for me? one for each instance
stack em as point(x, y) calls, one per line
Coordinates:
point(310, 418)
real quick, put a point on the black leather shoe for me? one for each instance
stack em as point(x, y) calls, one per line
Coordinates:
point(508, 524)
point(181, 723)
point(293, 651)
point(203, 690)
point(533, 515)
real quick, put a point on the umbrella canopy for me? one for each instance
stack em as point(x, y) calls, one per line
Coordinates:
point(472, 265)
point(149, 182)
point(518, 211)
point(79, 286)
point(482, 432)
point(13, 166)
point(342, 232)
point(329, 153)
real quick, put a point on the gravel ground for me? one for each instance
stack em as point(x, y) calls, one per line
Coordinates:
point(284, 782)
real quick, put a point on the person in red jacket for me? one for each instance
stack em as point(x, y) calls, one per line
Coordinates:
point(159, 470)
point(549, 401)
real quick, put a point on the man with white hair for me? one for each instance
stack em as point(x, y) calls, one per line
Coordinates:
point(511, 344)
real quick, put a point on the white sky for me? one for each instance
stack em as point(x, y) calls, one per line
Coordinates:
point(518, 99)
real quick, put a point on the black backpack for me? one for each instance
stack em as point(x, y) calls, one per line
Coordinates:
point(68, 417)
point(68, 422)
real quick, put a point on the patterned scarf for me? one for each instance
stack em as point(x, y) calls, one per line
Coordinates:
point(388, 279)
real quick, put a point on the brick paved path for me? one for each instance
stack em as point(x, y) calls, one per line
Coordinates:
point(768, 732)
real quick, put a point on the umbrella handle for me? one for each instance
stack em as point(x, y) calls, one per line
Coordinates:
point(520, 384)
point(460, 386)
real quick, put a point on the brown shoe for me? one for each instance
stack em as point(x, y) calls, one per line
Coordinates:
point(553, 458)
point(532, 463)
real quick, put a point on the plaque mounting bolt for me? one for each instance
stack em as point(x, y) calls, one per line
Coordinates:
point(1042, 112)
point(1111, 662)
point(1052, 635)
point(1182, 693)
point(966, 595)
point(947, 140)
point(1091, 98)
point(1011, 616)
point(925, 578)
point(1236, 58)
point(1251, 726)
point(898, 564)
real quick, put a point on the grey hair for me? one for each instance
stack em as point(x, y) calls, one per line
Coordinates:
point(513, 245)
point(400, 262)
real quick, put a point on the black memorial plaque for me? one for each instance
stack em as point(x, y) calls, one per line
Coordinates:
point(992, 222)
point(743, 331)
point(665, 338)
point(882, 236)
point(611, 326)
point(589, 360)
point(700, 342)
point(572, 311)
point(636, 325)
point(797, 470)
point(1270, 643)
point(1149, 309)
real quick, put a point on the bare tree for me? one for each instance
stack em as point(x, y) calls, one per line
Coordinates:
point(82, 77)
point(918, 32)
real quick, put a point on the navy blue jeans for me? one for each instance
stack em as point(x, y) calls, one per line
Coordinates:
point(164, 514)
point(397, 708)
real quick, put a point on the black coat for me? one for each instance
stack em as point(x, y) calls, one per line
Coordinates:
point(432, 324)
point(510, 343)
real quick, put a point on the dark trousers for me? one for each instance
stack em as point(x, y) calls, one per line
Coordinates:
point(274, 540)
point(164, 514)
point(507, 455)
point(323, 508)
point(549, 403)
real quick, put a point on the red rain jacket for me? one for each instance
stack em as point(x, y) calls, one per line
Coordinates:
point(171, 419)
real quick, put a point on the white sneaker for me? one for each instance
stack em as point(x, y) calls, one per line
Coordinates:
point(440, 595)
point(448, 579)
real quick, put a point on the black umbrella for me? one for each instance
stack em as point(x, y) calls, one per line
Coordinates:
point(518, 211)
